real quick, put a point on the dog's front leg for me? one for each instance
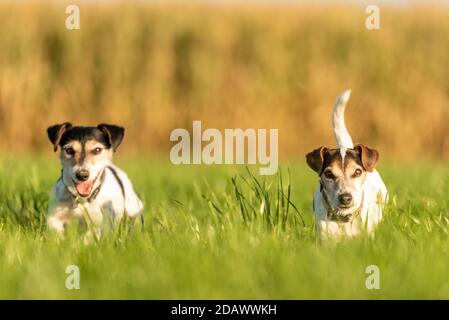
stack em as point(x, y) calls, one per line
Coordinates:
point(59, 209)
point(58, 217)
point(93, 216)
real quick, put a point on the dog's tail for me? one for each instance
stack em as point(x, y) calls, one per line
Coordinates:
point(338, 121)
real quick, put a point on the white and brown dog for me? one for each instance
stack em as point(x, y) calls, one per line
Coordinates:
point(351, 194)
point(91, 187)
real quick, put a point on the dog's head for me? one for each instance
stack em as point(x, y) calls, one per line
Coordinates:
point(342, 173)
point(85, 152)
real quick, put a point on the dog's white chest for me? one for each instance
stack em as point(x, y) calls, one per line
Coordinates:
point(115, 198)
point(91, 211)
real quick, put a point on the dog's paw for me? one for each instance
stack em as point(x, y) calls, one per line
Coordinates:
point(133, 206)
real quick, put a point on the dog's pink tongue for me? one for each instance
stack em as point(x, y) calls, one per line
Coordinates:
point(84, 188)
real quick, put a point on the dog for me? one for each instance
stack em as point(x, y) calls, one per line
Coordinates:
point(90, 187)
point(351, 193)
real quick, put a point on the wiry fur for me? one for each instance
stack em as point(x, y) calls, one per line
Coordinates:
point(367, 191)
point(111, 194)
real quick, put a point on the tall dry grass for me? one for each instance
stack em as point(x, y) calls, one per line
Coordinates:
point(153, 68)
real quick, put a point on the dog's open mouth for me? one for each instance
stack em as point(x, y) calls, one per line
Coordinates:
point(84, 188)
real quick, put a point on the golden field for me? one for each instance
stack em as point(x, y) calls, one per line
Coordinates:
point(153, 68)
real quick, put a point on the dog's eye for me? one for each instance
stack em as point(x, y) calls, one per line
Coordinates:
point(357, 173)
point(97, 151)
point(328, 174)
point(69, 151)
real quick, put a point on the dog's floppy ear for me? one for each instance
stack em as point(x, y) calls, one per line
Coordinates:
point(114, 134)
point(56, 131)
point(315, 159)
point(368, 156)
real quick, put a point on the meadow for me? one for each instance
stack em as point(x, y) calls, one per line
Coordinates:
point(199, 243)
point(217, 232)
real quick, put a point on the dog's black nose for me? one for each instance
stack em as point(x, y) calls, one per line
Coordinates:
point(82, 175)
point(345, 199)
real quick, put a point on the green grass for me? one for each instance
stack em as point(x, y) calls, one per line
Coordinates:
point(208, 236)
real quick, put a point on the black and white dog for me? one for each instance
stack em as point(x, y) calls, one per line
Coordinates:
point(91, 186)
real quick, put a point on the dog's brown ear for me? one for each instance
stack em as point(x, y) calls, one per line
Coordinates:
point(315, 159)
point(114, 134)
point(56, 131)
point(368, 156)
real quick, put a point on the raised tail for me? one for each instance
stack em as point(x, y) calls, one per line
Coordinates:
point(338, 121)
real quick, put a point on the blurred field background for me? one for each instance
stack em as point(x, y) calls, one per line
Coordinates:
point(154, 67)
point(209, 232)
